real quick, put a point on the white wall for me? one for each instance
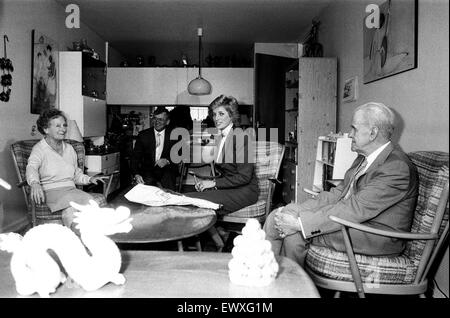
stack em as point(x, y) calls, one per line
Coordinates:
point(17, 19)
point(420, 96)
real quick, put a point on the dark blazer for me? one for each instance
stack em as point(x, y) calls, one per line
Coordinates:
point(143, 155)
point(237, 185)
point(384, 197)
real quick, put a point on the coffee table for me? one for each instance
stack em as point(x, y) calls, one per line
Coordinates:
point(153, 224)
point(158, 274)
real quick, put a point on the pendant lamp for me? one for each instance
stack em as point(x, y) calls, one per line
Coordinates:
point(199, 86)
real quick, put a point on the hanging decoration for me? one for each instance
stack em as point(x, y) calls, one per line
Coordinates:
point(6, 67)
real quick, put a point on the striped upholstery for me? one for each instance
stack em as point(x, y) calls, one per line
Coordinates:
point(21, 150)
point(433, 174)
point(268, 157)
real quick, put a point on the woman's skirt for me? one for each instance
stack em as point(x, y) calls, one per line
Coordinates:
point(59, 198)
point(230, 199)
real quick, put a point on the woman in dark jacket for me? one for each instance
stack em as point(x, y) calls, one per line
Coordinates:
point(236, 185)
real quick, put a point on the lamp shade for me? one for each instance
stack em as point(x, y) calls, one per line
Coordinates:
point(73, 132)
point(199, 86)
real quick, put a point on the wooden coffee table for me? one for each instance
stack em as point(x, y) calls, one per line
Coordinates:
point(153, 224)
point(181, 275)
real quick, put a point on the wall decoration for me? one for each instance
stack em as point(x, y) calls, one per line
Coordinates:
point(6, 67)
point(391, 48)
point(350, 93)
point(44, 67)
point(311, 45)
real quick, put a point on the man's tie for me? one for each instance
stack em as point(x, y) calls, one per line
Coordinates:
point(356, 175)
point(158, 140)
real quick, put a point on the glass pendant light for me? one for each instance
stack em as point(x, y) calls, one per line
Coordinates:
point(199, 86)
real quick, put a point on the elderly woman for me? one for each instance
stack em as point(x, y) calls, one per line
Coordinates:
point(236, 186)
point(52, 171)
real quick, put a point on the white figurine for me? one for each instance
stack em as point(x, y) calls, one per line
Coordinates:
point(253, 262)
point(34, 270)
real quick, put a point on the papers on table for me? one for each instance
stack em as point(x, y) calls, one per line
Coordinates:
point(154, 196)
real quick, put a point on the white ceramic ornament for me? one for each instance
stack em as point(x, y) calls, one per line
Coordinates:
point(253, 262)
point(35, 271)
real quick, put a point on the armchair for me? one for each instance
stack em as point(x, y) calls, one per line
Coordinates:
point(405, 274)
point(269, 156)
point(40, 213)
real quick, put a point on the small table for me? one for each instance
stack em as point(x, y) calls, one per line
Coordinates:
point(153, 224)
point(180, 275)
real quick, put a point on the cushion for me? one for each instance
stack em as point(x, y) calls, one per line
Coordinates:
point(374, 269)
point(424, 216)
point(254, 210)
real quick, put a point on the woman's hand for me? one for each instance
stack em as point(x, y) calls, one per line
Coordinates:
point(202, 185)
point(37, 194)
point(96, 179)
point(162, 163)
point(138, 179)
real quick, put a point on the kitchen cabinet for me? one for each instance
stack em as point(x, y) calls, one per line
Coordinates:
point(82, 92)
point(168, 85)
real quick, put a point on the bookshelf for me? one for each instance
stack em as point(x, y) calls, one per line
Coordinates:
point(334, 157)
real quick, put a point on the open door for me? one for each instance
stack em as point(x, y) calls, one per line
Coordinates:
point(270, 92)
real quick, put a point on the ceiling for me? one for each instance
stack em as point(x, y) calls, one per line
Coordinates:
point(137, 24)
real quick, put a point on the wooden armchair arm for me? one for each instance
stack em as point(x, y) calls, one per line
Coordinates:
point(396, 234)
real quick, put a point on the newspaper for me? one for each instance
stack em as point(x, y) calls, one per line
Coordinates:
point(154, 196)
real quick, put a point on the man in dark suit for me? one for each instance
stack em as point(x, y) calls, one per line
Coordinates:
point(150, 160)
point(380, 190)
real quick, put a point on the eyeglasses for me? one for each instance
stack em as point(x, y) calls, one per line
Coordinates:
point(159, 119)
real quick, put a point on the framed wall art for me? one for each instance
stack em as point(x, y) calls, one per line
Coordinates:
point(350, 92)
point(392, 47)
point(44, 68)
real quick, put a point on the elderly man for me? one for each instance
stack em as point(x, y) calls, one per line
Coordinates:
point(379, 190)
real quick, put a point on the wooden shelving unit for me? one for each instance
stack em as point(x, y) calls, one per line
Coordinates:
point(334, 157)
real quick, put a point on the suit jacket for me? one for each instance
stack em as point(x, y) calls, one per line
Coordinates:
point(384, 197)
point(143, 155)
point(237, 186)
point(237, 167)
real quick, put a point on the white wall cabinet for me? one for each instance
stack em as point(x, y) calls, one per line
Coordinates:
point(168, 86)
point(89, 112)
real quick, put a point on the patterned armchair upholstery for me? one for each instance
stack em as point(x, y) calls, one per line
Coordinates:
point(268, 161)
point(40, 213)
point(403, 274)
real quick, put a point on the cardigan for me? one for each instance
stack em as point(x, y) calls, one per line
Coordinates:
point(52, 170)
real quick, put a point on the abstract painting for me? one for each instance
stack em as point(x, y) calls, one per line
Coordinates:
point(44, 67)
point(392, 47)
